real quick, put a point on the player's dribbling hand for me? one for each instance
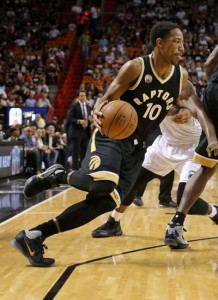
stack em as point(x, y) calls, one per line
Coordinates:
point(97, 115)
point(212, 148)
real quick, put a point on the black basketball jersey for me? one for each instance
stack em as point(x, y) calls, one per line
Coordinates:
point(152, 97)
point(214, 76)
point(210, 99)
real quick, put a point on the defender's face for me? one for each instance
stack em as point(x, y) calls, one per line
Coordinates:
point(172, 47)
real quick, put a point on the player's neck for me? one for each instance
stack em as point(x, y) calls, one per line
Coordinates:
point(161, 68)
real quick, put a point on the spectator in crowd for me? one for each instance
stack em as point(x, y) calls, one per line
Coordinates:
point(14, 133)
point(85, 42)
point(54, 122)
point(39, 121)
point(42, 147)
point(61, 148)
point(3, 100)
point(31, 101)
point(78, 128)
point(103, 44)
point(2, 133)
point(51, 142)
point(33, 163)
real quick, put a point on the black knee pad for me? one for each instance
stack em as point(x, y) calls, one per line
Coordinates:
point(102, 187)
point(84, 182)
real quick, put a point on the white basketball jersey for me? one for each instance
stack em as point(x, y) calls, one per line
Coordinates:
point(180, 134)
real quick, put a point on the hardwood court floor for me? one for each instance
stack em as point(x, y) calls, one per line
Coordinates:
point(136, 265)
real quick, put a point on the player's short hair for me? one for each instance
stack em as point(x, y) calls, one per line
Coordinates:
point(161, 30)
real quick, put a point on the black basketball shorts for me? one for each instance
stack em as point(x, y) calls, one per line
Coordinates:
point(115, 160)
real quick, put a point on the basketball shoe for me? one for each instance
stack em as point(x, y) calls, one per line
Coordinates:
point(110, 228)
point(46, 180)
point(169, 204)
point(32, 249)
point(174, 236)
point(215, 218)
point(138, 201)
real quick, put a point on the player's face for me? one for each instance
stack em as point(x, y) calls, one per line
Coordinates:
point(173, 47)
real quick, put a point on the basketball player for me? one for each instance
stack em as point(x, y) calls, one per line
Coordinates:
point(173, 150)
point(174, 232)
point(152, 84)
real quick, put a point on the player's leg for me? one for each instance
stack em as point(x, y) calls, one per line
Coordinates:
point(190, 203)
point(149, 141)
point(138, 197)
point(166, 185)
point(101, 198)
point(112, 227)
point(99, 176)
point(96, 163)
point(195, 186)
point(165, 199)
point(30, 242)
point(154, 163)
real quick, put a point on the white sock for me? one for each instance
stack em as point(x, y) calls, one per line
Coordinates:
point(213, 212)
point(116, 215)
point(33, 234)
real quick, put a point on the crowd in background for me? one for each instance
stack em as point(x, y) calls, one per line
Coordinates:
point(106, 42)
point(27, 68)
point(126, 36)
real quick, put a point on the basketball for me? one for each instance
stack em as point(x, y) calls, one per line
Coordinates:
point(119, 119)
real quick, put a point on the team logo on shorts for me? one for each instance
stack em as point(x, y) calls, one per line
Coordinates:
point(95, 162)
point(148, 78)
point(191, 172)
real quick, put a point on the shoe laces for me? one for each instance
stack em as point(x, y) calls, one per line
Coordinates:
point(109, 224)
point(40, 249)
point(173, 225)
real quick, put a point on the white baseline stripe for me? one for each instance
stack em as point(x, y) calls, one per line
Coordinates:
point(32, 207)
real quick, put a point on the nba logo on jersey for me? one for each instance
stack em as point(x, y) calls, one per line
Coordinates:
point(148, 78)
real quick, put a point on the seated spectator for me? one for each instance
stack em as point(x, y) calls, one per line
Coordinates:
point(54, 32)
point(2, 133)
point(33, 162)
point(54, 122)
point(53, 73)
point(103, 44)
point(61, 148)
point(106, 70)
point(14, 133)
point(11, 101)
point(30, 101)
point(3, 100)
point(43, 101)
point(43, 148)
point(51, 142)
point(97, 74)
point(110, 57)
